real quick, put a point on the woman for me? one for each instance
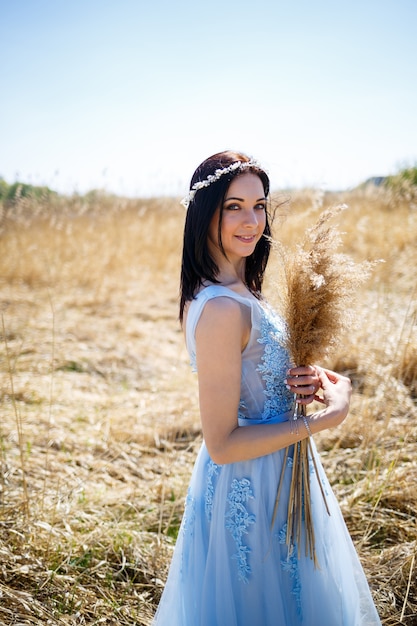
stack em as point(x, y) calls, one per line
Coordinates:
point(232, 565)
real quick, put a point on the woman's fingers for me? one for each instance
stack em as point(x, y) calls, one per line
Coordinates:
point(304, 382)
point(308, 370)
point(327, 376)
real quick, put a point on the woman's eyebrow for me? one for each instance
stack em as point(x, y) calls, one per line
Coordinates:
point(243, 199)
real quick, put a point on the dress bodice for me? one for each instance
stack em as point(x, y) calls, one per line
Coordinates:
point(265, 360)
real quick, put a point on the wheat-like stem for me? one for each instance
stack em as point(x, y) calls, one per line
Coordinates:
point(320, 285)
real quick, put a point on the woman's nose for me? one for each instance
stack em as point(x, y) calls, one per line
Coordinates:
point(251, 218)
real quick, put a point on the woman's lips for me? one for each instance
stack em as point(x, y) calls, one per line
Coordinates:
point(246, 238)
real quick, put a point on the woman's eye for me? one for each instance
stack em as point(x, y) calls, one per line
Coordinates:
point(236, 207)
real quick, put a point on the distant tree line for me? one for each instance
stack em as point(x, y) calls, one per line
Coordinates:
point(11, 194)
point(403, 183)
point(405, 179)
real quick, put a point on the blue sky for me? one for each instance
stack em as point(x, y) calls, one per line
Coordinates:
point(130, 95)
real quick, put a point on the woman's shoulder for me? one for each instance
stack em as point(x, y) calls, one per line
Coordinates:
point(213, 300)
point(221, 308)
point(216, 306)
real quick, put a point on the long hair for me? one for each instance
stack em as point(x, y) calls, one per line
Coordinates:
point(197, 263)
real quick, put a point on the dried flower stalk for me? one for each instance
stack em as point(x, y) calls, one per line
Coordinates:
point(320, 287)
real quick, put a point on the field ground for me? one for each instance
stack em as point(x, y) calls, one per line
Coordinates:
point(100, 425)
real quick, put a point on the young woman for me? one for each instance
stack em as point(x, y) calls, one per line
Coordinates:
point(232, 565)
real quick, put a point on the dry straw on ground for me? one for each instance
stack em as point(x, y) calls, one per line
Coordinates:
point(100, 424)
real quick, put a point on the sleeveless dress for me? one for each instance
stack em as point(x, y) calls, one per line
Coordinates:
point(229, 567)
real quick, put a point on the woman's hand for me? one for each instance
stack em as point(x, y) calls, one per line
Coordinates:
point(337, 390)
point(335, 393)
point(305, 382)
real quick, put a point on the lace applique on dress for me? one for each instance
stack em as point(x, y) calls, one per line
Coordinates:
point(193, 363)
point(189, 514)
point(238, 519)
point(242, 410)
point(212, 471)
point(290, 565)
point(187, 528)
point(273, 366)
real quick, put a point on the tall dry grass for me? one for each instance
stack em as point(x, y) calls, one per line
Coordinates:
point(100, 424)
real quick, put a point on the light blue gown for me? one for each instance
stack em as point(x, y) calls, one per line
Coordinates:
point(229, 567)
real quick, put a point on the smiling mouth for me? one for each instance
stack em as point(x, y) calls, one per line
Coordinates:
point(246, 238)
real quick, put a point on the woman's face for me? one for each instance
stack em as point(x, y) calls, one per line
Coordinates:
point(243, 219)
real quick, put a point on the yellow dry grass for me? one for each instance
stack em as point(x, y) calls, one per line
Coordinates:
point(99, 413)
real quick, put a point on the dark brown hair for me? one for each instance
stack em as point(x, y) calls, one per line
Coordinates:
point(197, 263)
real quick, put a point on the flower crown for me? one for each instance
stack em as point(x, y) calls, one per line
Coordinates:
point(212, 178)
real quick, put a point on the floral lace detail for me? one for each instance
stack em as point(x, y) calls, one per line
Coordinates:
point(187, 529)
point(212, 470)
point(273, 366)
point(241, 413)
point(189, 515)
point(193, 363)
point(238, 519)
point(290, 565)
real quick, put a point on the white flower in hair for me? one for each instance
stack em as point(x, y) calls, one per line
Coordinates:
point(212, 178)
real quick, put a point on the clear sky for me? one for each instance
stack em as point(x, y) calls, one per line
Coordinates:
point(131, 95)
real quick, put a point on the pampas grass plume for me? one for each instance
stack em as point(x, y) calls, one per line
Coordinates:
point(320, 289)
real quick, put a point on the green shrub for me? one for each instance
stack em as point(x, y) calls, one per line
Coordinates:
point(404, 183)
point(11, 194)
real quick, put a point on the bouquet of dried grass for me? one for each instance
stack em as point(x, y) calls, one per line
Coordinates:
point(320, 286)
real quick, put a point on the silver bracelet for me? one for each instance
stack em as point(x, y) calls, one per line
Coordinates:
point(307, 425)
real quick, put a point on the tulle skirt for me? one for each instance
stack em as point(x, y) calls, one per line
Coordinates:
point(231, 568)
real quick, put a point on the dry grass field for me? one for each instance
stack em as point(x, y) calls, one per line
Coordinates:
point(99, 415)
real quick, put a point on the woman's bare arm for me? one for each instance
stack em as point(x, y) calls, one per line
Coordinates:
point(220, 337)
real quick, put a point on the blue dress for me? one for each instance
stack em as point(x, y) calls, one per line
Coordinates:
point(229, 567)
